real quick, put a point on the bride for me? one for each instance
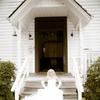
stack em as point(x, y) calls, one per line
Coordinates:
point(51, 89)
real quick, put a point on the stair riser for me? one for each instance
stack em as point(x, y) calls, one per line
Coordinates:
point(66, 97)
point(70, 97)
point(38, 85)
point(64, 90)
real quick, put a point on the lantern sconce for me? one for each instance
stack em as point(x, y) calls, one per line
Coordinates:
point(72, 34)
point(30, 37)
point(14, 34)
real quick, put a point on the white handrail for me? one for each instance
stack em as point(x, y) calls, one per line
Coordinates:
point(21, 70)
point(90, 56)
point(21, 75)
point(78, 80)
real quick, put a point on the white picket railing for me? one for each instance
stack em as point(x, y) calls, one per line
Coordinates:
point(19, 82)
point(91, 57)
point(78, 79)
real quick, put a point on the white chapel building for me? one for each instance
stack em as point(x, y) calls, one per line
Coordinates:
point(37, 35)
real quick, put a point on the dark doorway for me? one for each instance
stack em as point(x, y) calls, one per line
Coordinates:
point(51, 44)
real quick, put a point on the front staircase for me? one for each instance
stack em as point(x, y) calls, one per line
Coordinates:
point(33, 83)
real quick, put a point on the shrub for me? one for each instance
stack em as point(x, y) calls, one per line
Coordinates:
point(7, 73)
point(92, 84)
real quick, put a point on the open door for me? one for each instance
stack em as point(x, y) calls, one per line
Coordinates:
point(51, 44)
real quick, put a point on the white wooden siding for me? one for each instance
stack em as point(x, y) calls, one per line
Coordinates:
point(92, 31)
point(8, 43)
point(8, 49)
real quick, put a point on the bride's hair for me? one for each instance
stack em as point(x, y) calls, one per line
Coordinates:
point(51, 73)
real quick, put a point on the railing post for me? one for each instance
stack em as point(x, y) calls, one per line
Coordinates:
point(16, 94)
point(79, 95)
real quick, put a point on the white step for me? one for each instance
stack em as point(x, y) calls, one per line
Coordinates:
point(33, 83)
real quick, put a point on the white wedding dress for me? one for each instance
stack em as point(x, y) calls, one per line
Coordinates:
point(50, 92)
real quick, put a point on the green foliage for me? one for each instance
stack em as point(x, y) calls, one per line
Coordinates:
point(7, 73)
point(92, 84)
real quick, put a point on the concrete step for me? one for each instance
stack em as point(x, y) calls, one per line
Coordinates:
point(38, 85)
point(33, 83)
point(70, 99)
point(67, 96)
point(72, 95)
point(68, 90)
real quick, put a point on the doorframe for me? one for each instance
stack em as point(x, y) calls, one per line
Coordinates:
point(65, 47)
point(65, 55)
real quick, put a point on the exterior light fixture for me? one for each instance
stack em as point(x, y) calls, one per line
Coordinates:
point(14, 34)
point(71, 34)
point(30, 37)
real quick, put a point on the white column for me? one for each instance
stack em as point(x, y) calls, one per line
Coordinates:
point(19, 46)
point(31, 49)
point(34, 45)
point(81, 48)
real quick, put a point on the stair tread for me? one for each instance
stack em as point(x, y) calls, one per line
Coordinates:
point(37, 87)
point(38, 79)
point(64, 93)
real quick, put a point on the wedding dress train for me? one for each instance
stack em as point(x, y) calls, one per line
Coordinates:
point(50, 92)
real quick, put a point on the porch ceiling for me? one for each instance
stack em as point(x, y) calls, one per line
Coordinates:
point(43, 12)
point(30, 9)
